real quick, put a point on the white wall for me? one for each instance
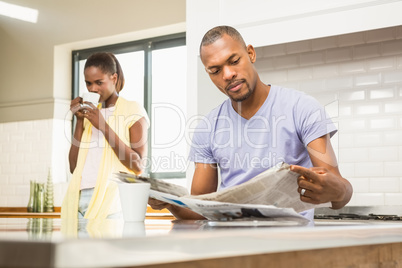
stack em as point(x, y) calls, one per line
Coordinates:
point(27, 154)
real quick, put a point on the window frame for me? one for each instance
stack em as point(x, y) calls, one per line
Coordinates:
point(147, 45)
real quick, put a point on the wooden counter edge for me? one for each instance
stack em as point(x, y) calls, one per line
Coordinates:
point(21, 212)
point(379, 255)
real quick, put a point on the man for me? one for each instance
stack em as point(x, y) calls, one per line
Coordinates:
point(258, 127)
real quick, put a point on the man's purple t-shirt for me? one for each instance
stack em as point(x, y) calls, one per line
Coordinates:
point(279, 132)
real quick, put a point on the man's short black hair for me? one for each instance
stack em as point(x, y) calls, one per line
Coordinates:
point(217, 32)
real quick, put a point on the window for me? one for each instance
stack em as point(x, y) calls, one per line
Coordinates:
point(155, 76)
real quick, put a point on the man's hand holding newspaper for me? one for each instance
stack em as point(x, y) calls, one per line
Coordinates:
point(271, 194)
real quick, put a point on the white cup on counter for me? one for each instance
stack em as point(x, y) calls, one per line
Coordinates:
point(91, 97)
point(134, 229)
point(134, 200)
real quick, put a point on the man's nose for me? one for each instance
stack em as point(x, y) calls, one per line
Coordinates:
point(228, 73)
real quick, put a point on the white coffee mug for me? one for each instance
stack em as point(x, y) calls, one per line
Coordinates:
point(91, 97)
point(134, 200)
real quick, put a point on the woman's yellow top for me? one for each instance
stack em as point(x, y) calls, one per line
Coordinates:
point(105, 199)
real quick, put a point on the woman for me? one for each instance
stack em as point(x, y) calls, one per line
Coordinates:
point(107, 139)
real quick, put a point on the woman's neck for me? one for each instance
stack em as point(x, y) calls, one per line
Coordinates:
point(111, 101)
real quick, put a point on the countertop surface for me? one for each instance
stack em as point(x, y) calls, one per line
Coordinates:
point(154, 241)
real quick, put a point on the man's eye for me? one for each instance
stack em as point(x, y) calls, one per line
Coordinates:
point(236, 61)
point(99, 83)
point(213, 71)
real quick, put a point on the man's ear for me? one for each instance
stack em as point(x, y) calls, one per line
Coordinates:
point(251, 53)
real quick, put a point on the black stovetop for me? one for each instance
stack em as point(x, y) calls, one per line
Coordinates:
point(377, 213)
point(352, 216)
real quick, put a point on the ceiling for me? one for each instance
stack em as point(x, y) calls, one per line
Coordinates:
point(62, 21)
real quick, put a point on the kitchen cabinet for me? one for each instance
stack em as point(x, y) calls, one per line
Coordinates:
point(276, 22)
point(166, 243)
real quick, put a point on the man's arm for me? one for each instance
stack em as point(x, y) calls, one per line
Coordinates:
point(205, 181)
point(323, 183)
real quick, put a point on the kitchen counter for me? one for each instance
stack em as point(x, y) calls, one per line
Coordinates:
point(163, 243)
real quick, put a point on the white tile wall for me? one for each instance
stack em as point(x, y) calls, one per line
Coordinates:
point(29, 149)
point(364, 72)
point(393, 199)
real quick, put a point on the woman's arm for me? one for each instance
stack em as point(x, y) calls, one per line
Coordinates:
point(131, 156)
point(79, 129)
point(75, 144)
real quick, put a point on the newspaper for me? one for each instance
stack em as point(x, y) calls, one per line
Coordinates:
point(213, 210)
point(272, 193)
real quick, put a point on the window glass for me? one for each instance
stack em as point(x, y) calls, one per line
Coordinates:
point(133, 68)
point(168, 109)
